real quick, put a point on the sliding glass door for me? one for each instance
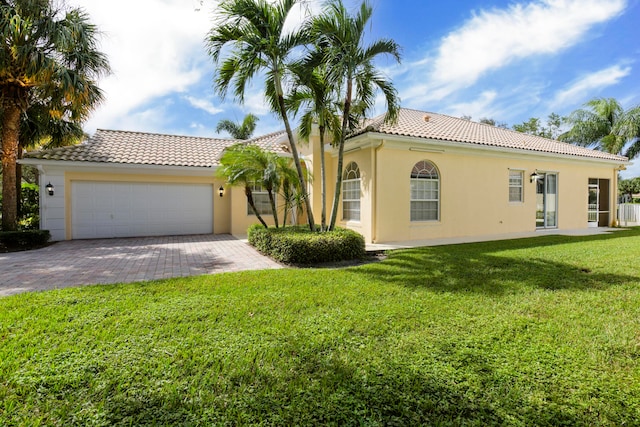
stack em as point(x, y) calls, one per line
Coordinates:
point(547, 200)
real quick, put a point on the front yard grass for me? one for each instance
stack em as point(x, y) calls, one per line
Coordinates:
point(542, 331)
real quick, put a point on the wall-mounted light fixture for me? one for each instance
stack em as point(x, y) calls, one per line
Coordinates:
point(534, 176)
point(221, 191)
point(50, 188)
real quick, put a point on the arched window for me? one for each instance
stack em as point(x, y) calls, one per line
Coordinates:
point(425, 192)
point(351, 192)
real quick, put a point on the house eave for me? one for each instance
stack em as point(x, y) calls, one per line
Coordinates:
point(440, 146)
point(66, 164)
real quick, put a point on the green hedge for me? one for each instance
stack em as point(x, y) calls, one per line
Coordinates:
point(24, 239)
point(299, 245)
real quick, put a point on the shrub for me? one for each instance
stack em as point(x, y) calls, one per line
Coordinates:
point(24, 239)
point(28, 217)
point(299, 245)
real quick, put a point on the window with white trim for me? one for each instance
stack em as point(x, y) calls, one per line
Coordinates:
point(351, 192)
point(260, 199)
point(516, 187)
point(425, 192)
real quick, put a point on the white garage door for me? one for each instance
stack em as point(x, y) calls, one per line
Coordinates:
point(115, 209)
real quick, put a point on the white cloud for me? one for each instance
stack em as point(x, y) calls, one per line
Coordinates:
point(155, 48)
point(495, 38)
point(203, 104)
point(477, 109)
point(580, 89)
point(255, 103)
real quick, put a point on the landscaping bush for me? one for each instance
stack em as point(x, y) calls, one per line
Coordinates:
point(13, 240)
point(29, 215)
point(299, 245)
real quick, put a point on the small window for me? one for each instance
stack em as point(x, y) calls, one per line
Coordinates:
point(260, 199)
point(516, 178)
point(425, 192)
point(351, 192)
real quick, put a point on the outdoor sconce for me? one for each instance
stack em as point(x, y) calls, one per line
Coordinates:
point(49, 188)
point(534, 176)
point(221, 191)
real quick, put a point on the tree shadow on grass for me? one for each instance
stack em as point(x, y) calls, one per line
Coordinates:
point(325, 390)
point(479, 267)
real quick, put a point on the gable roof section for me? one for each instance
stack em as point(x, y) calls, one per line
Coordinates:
point(139, 148)
point(420, 124)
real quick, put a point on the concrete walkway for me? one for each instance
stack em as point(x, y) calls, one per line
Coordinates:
point(83, 262)
point(488, 238)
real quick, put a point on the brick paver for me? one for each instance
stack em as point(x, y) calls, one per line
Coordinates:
point(84, 262)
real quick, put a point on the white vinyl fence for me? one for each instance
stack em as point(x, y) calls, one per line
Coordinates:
point(628, 214)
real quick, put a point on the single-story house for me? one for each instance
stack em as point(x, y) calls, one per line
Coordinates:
point(426, 176)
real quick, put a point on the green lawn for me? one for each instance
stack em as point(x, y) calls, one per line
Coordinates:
point(542, 331)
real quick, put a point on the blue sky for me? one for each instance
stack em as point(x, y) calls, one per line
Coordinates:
point(506, 60)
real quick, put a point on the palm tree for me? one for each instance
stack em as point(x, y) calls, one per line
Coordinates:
point(605, 125)
point(290, 187)
point(255, 33)
point(242, 130)
point(319, 99)
point(247, 165)
point(39, 128)
point(51, 51)
point(240, 167)
point(341, 41)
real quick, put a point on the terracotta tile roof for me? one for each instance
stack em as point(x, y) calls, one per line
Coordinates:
point(112, 146)
point(276, 142)
point(422, 124)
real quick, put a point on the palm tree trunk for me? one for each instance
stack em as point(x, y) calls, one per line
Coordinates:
point(323, 182)
point(10, 138)
point(296, 161)
point(272, 202)
point(249, 194)
point(345, 120)
point(19, 183)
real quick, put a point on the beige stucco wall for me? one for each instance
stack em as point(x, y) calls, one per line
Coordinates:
point(474, 183)
point(240, 218)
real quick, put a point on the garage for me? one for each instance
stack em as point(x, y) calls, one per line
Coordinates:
point(125, 209)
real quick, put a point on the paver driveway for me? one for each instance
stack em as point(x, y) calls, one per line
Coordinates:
point(84, 262)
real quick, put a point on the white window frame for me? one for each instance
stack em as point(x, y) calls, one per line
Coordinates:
point(351, 184)
point(514, 185)
point(423, 172)
point(260, 199)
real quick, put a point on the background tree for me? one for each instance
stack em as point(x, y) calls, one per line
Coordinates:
point(605, 125)
point(629, 187)
point(48, 52)
point(534, 126)
point(258, 42)
point(493, 122)
point(340, 41)
point(242, 130)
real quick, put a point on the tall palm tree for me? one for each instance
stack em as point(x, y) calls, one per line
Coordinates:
point(605, 125)
point(42, 128)
point(341, 41)
point(255, 33)
point(51, 50)
point(242, 130)
point(318, 96)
